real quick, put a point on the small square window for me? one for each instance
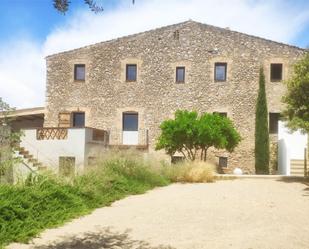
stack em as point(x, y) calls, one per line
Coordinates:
point(92, 161)
point(220, 71)
point(177, 159)
point(223, 162)
point(222, 114)
point(180, 74)
point(131, 72)
point(78, 119)
point(66, 166)
point(275, 72)
point(273, 122)
point(79, 72)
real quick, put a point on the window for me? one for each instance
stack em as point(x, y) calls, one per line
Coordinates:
point(131, 72)
point(130, 122)
point(66, 166)
point(79, 72)
point(177, 159)
point(64, 119)
point(78, 119)
point(220, 71)
point(223, 162)
point(180, 74)
point(273, 122)
point(92, 161)
point(276, 72)
point(222, 114)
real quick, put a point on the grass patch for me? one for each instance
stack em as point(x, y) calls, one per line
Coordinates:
point(46, 201)
point(43, 202)
point(193, 172)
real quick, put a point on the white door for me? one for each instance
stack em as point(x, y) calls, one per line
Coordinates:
point(130, 128)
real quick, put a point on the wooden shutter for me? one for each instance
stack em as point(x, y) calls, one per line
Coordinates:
point(64, 119)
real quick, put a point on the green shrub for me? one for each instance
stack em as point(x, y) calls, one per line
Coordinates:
point(46, 201)
point(192, 135)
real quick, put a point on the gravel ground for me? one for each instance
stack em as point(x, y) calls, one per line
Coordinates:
point(246, 213)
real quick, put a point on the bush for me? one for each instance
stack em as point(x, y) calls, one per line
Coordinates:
point(46, 201)
point(196, 171)
point(192, 135)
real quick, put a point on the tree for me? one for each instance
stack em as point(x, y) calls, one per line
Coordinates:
point(190, 134)
point(63, 5)
point(261, 129)
point(296, 111)
point(8, 139)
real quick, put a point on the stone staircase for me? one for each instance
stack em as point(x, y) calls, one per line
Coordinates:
point(29, 159)
point(297, 167)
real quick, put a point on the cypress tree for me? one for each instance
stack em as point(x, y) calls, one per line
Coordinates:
point(261, 129)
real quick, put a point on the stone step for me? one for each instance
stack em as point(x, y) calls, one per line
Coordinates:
point(41, 167)
point(297, 166)
point(297, 170)
point(32, 160)
point(297, 174)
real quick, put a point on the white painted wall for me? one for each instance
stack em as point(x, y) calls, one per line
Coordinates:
point(49, 151)
point(290, 146)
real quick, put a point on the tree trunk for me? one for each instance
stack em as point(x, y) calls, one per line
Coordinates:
point(205, 154)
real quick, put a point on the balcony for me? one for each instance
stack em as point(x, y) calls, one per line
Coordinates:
point(129, 139)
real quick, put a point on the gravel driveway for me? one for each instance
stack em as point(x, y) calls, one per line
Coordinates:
point(246, 213)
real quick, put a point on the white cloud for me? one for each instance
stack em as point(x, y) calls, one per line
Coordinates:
point(22, 74)
point(276, 20)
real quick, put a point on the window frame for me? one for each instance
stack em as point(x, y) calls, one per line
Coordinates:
point(67, 166)
point(272, 129)
point(184, 74)
point(127, 72)
point(73, 120)
point(271, 74)
point(223, 162)
point(75, 72)
point(225, 71)
point(132, 114)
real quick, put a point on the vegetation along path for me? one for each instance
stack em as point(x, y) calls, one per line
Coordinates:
point(247, 213)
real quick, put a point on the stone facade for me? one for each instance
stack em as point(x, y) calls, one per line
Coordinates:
point(105, 94)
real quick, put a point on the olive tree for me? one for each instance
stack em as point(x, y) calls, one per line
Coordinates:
point(63, 5)
point(192, 135)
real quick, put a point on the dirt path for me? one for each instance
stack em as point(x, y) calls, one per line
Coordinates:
point(248, 213)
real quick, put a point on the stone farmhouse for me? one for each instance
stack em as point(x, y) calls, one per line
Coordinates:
point(116, 93)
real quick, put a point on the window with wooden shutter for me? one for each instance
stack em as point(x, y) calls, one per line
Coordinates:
point(64, 119)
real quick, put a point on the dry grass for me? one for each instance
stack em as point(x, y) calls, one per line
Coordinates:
point(197, 171)
point(187, 171)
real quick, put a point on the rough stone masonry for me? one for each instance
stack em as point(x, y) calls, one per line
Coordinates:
point(105, 94)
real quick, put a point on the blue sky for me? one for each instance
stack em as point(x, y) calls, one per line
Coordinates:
point(37, 18)
point(32, 29)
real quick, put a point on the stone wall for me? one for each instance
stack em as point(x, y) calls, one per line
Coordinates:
point(155, 95)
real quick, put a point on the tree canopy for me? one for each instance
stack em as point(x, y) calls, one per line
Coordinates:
point(63, 5)
point(296, 112)
point(191, 134)
point(8, 139)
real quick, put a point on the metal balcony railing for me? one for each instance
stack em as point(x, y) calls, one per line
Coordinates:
point(116, 138)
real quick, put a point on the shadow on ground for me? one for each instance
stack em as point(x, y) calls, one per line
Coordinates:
point(103, 239)
point(302, 180)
